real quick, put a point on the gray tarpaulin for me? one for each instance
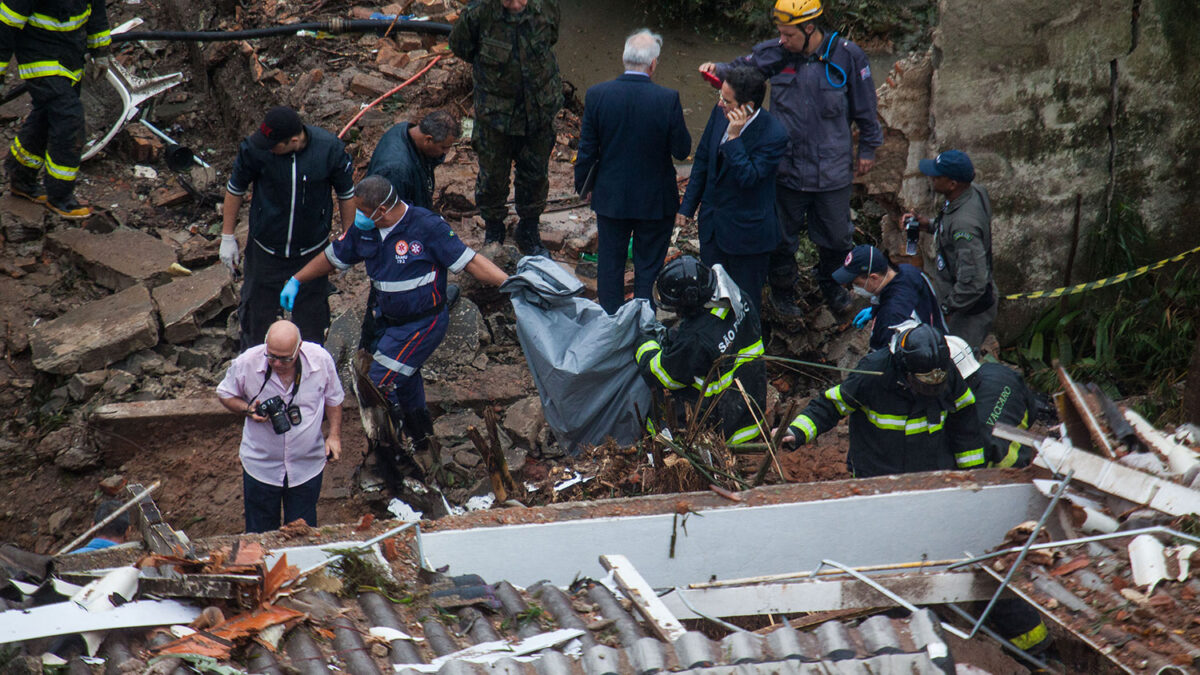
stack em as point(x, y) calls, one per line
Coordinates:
point(581, 358)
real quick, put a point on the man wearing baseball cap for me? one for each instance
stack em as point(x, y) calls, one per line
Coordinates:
point(293, 168)
point(898, 293)
point(962, 230)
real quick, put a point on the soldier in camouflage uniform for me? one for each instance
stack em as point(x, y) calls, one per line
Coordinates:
point(517, 95)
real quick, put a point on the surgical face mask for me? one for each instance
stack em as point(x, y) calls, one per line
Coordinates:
point(362, 222)
point(861, 291)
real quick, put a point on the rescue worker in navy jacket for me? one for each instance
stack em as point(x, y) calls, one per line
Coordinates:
point(918, 414)
point(718, 327)
point(407, 251)
point(898, 293)
point(47, 39)
point(292, 167)
point(408, 153)
point(820, 85)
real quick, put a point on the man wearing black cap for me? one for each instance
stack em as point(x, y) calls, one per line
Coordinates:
point(293, 167)
point(898, 293)
point(962, 231)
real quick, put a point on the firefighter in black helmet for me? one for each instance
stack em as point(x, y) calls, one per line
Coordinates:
point(915, 413)
point(718, 327)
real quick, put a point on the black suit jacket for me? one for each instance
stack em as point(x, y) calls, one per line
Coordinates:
point(633, 128)
point(733, 183)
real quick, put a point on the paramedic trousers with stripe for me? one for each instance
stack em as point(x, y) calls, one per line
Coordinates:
point(398, 357)
point(51, 138)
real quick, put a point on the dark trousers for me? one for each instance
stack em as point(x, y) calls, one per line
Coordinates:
point(748, 271)
point(825, 216)
point(263, 502)
point(497, 153)
point(650, 241)
point(51, 138)
point(398, 356)
point(259, 308)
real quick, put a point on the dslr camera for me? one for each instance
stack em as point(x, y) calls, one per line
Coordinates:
point(912, 230)
point(282, 416)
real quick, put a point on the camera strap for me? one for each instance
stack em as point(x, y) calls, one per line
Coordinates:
point(295, 384)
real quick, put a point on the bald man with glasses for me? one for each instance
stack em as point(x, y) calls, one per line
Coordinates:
point(285, 389)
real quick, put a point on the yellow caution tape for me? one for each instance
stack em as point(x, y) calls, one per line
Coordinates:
point(1101, 283)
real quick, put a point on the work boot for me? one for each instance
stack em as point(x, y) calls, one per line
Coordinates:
point(27, 190)
point(839, 300)
point(529, 240)
point(420, 428)
point(69, 208)
point(784, 301)
point(493, 232)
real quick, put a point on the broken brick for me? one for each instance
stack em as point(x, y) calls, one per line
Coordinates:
point(169, 196)
point(369, 85)
point(390, 56)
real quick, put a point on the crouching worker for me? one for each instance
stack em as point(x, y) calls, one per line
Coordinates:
point(407, 251)
point(909, 410)
point(1001, 396)
point(718, 340)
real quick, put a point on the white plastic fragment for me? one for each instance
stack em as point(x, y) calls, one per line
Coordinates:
point(1148, 559)
point(147, 172)
point(391, 634)
point(481, 502)
point(403, 511)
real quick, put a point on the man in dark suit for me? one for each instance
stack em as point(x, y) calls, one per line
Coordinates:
point(631, 130)
point(733, 182)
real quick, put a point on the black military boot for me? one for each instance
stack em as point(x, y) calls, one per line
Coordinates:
point(784, 301)
point(529, 240)
point(420, 428)
point(837, 298)
point(493, 232)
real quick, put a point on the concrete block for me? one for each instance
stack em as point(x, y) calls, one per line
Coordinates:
point(96, 334)
point(118, 259)
point(81, 386)
point(187, 302)
point(23, 220)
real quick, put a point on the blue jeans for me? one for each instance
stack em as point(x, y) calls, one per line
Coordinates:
point(263, 502)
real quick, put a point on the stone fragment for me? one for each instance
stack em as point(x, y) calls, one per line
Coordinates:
point(81, 455)
point(467, 459)
point(112, 485)
point(408, 43)
point(461, 343)
point(500, 383)
point(23, 220)
point(523, 420)
point(390, 56)
point(57, 519)
point(118, 259)
point(149, 362)
point(119, 383)
point(194, 358)
point(96, 334)
point(451, 429)
point(81, 386)
point(168, 196)
point(370, 85)
point(187, 302)
point(53, 443)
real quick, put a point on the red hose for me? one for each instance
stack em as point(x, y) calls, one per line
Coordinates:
point(395, 89)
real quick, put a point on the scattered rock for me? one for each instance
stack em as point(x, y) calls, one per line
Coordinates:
point(194, 358)
point(187, 302)
point(119, 383)
point(96, 334)
point(523, 421)
point(57, 519)
point(369, 85)
point(451, 429)
point(467, 459)
point(81, 455)
point(113, 484)
point(23, 220)
point(118, 259)
point(81, 386)
point(461, 344)
point(53, 443)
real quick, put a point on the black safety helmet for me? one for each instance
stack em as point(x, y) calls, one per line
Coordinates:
point(684, 285)
point(923, 359)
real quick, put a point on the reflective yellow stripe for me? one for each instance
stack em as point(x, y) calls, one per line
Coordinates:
point(3, 67)
point(745, 355)
point(646, 346)
point(22, 155)
point(911, 426)
point(834, 394)
point(720, 312)
point(1031, 639)
point(10, 17)
point(101, 39)
point(803, 423)
point(59, 171)
point(969, 459)
point(744, 435)
point(1014, 448)
point(50, 23)
point(661, 373)
point(47, 69)
point(965, 400)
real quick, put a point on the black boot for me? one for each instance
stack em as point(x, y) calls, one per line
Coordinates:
point(529, 240)
point(493, 232)
point(784, 301)
point(420, 428)
point(836, 297)
point(453, 292)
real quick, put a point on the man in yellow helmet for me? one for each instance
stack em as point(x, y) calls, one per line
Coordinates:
point(820, 85)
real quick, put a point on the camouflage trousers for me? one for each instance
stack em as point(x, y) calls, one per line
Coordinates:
point(498, 152)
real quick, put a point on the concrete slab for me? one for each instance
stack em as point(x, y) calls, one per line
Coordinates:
point(118, 259)
point(187, 302)
point(23, 220)
point(177, 410)
point(743, 541)
point(466, 387)
point(97, 334)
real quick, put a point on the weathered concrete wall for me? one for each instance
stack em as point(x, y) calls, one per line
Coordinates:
point(1054, 100)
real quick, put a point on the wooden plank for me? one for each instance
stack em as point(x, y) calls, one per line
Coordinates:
point(658, 617)
point(1076, 397)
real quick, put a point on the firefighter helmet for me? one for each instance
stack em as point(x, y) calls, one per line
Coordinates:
point(684, 285)
point(923, 358)
point(960, 353)
point(792, 12)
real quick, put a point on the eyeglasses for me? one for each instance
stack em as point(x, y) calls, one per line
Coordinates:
point(721, 98)
point(280, 359)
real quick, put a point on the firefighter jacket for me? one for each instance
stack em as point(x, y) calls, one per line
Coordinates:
point(816, 98)
point(893, 430)
point(291, 210)
point(684, 360)
point(49, 37)
point(1002, 397)
point(517, 86)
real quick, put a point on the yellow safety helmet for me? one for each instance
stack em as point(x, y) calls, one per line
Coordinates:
point(792, 12)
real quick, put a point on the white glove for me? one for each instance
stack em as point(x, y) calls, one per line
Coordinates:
point(229, 252)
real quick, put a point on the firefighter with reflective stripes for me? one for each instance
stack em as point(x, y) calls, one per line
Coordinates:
point(46, 40)
point(407, 251)
point(718, 327)
point(917, 414)
point(1001, 396)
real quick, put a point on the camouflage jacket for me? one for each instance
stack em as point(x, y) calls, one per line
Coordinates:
point(517, 86)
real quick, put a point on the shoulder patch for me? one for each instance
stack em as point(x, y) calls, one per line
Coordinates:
point(864, 73)
point(965, 236)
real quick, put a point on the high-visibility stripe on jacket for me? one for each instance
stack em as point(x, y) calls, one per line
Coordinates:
point(893, 430)
point(49, 37)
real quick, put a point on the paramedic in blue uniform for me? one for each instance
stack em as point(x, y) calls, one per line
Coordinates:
point(407, 251)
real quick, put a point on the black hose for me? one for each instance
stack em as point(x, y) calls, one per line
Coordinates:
point(334, 26)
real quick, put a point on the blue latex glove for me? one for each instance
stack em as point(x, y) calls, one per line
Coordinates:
point(287, 297)
point(864, 316)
